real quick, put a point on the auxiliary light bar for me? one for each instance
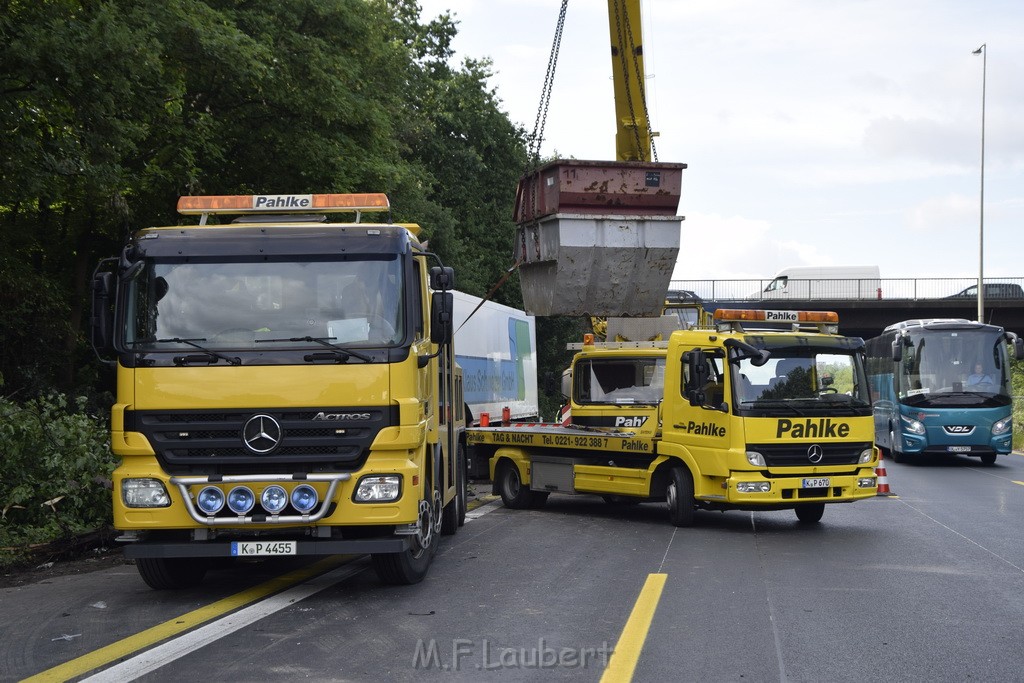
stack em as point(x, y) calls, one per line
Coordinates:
point(283, 203)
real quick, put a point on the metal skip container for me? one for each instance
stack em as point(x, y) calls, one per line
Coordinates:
point(598, 237)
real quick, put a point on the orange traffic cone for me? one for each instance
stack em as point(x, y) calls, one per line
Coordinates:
point(883, 480)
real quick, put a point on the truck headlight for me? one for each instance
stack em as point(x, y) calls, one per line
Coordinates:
point(754, 486)
point(866, 455)
point(210, 500)
point(756, 459)
point(144, 493)
point(1002, 426)
point(378, 488)
point(866, 483)
point(911, 425)
point(274, 499)
point(304, 498)
point(241, 499)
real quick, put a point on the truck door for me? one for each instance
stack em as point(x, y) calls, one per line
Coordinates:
point(697, 415)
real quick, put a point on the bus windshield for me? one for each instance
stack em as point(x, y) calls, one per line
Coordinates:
point(953, 366)
point(266, 303)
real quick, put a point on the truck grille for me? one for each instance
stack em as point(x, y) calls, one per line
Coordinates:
point(795, 454)
point(273, 441)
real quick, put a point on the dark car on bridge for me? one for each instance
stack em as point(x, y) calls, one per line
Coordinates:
point(993, 290)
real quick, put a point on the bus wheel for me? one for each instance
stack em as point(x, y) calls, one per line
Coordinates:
point(894, 453)
point(411, 565)
point(513, 494)
point(809, 513)
point(679, 495)
point(162, 573)
point(988, 459)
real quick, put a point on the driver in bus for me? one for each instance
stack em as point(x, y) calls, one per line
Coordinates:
point(979, 376)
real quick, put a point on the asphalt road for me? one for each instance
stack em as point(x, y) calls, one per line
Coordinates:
point(926, 585)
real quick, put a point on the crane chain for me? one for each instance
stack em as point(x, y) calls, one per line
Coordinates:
point(537, 137)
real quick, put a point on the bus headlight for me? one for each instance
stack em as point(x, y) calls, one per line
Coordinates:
point(1002, 426)
point(866, 455)
point(911, 425)
point(144, 493)
point(756, 459)
point(378, 488)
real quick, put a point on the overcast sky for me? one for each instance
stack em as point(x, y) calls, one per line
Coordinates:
point(817, 132)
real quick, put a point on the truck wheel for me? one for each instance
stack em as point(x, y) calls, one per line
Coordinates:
point(679, 495)
point(462, 483)
point(513, 493)
point(454, 514)
point(810, 513)
point(163, 573)
point(410, 566)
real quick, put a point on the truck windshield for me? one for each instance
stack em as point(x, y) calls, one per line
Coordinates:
point(260, 304)
point(803, 379)
point(619, 380)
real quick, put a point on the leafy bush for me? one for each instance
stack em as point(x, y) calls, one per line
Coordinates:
point(54, 472)
point(1017, 372)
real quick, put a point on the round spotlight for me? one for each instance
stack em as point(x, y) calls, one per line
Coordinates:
point(273, 499)
point(241, 499)
point(304, 498)
point(210, 500)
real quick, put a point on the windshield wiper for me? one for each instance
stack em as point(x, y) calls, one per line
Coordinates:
point(339, 353)
point(762, 404)
point(185, 360)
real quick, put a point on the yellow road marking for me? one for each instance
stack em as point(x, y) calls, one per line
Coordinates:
point(151, 636)
point(631, 641)
point(1018, 482)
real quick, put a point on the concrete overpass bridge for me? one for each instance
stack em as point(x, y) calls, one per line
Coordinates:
point(879, 302)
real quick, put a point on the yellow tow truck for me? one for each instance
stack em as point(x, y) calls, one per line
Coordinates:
point(767, 410)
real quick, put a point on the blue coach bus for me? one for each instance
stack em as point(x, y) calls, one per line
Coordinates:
point(942, 386)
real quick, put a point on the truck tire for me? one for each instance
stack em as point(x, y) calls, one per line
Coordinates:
point(809, 513)
point(463, 483)
point(679, 495)
point(454, 514)
point(411, 566)
point(171, 573)
point(514, 494)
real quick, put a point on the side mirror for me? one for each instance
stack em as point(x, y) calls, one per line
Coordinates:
point(897, 349)
point(101, 321)
point(442, 278)
point(697, 376)
point(1018, 348)
point(566, 387)
point(441, 307)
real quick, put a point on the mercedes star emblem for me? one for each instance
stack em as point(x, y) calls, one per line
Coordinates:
point(815, 454)
point(261, 434)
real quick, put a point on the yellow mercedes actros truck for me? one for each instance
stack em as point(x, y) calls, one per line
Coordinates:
point(286, 385)
point(768, 410)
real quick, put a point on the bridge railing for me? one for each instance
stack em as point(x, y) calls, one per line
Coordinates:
point(844, 290)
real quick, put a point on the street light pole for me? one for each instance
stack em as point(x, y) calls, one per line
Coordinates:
point(983, 51)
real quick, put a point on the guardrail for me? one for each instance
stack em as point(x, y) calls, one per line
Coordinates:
point(845, 290)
